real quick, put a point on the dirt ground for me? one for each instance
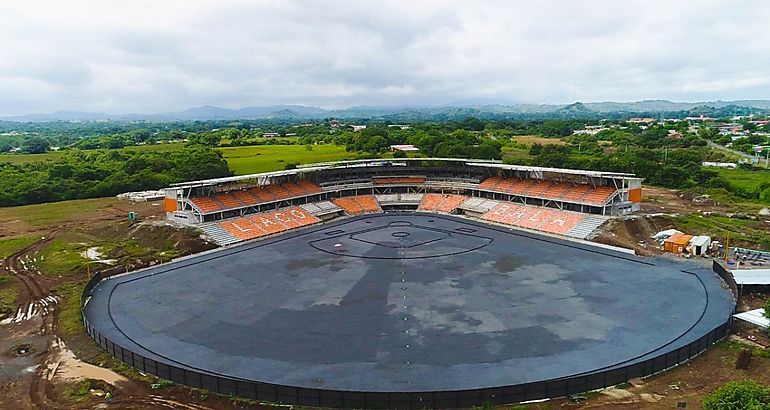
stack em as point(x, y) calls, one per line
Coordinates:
point(43, 365)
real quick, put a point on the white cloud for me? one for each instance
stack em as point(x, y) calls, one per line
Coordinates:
point(149, 56)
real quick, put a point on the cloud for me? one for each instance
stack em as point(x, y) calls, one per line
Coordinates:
point(149, 56)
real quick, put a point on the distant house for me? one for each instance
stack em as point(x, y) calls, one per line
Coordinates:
point(701, 118)
point(271, 134)
point(357, 128)
point(674, 134)
point(638, 120)
point(720, 164)
point(405, 148)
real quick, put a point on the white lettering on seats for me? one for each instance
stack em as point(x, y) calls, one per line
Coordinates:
point(240, 228)
point(277, 217)
point(264, 221)
point(502, 209)
point(298, 214)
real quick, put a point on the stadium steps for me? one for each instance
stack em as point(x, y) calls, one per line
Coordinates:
point(586, 227)
point(218, 234)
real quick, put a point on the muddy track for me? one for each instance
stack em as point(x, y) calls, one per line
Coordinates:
point(35, 301)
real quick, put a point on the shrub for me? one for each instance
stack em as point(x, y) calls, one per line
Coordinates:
point(738, 395)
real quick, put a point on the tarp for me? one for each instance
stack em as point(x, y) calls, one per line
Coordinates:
point(751, 276)
point(756, 316)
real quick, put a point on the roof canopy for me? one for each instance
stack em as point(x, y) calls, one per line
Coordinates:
point(302, 169)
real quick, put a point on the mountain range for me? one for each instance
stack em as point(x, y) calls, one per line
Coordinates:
point(459, 109)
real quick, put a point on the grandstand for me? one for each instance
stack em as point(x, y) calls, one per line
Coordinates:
point(558, 201)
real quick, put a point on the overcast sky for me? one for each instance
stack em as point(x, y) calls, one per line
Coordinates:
point(162, 55)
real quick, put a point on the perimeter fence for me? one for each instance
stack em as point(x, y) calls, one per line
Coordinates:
point(276, 393)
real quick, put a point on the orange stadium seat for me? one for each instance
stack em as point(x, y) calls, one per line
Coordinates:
point(294, 189)
point(242, 229)
point(430, 202)
point(556, 190)
point(532, 217)
point(539, 188)
point(576, 193)
point(599, 196)
point(269, 224)
point(206, 204)
point(349, 205)
point(368, 203)
point(278, 191)
point(309, 187)
point(451, 202)
point(398, 180)
point(497, 213)
point(562, 222)
point(491, 182)
point(228, 200)
point(262, 194)
point(246, 197)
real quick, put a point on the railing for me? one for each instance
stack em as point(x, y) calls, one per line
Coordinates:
point(438, 399)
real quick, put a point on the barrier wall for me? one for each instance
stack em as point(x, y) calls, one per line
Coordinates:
point(439, 399)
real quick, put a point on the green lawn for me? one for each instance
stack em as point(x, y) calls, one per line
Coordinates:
point(744, 179)
point(23, 158)
point(61, 257)
point(265, 158)
point(11, 246)
point(55, 212)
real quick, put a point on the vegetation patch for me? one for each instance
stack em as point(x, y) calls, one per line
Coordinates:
point(719, 227)
point(61, 258)
point(8, 297)
point(10, 246)
point(70, 322)
point(265, 158)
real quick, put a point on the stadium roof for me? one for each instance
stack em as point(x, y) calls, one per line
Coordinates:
point(301, 169)
point(597, 174)
point(751, 276)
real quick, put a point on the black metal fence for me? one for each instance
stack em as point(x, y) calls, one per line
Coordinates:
point(439, 399)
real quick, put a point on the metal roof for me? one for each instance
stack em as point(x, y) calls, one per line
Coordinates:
point(756, 316)
point(751, 276)
point(595, 174)
point(365, 162)
point(215, 181)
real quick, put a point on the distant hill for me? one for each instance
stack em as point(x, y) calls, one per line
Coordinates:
point(495, 110)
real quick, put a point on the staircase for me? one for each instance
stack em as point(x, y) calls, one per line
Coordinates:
point(587, 226)
point(213, 232)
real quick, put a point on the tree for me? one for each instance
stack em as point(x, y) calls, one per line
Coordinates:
point(738, 395)
point(35, 145)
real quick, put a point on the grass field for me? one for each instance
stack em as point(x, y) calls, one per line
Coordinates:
point(54, 155)
point(533, 139)
point(744, 179)
point(264, 158)
point(53, 213)
point(11, 246)
point(242, 160)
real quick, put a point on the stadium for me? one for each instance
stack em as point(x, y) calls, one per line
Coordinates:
point(409, 283)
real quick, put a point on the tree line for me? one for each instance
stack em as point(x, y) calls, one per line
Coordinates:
point(87, 174)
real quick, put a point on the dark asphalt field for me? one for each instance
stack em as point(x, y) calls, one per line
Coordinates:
point(409, 302)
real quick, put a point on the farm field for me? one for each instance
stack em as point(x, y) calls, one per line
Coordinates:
point(744, 179)
point(242, 160)
point(265, 158)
